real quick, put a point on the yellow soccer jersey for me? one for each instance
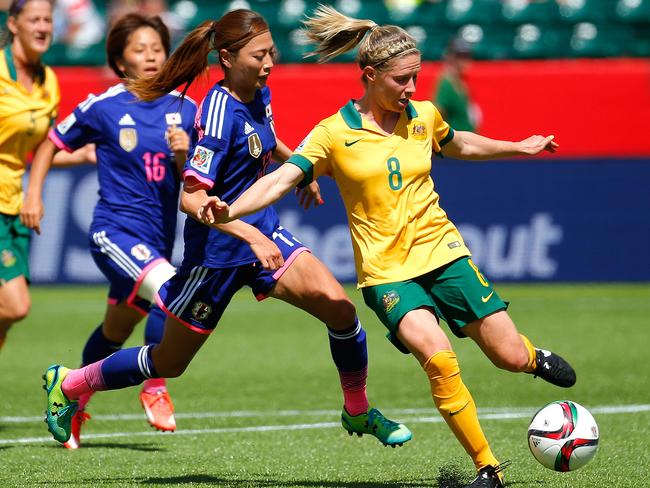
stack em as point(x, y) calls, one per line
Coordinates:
point(24, 121)
point(398, 229)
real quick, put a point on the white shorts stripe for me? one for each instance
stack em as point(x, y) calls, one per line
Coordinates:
point(196, 275)
point(184, 290)
point(117, 255)
point(199, 279)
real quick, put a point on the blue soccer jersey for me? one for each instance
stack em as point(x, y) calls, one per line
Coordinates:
point(232, 146)
point(138, 177)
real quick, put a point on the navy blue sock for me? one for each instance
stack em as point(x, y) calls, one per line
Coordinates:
point(98, 347)
point(349, 349)
point(155, 327)
point(128, 367)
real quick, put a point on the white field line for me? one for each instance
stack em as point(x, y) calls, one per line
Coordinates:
point(411, 414)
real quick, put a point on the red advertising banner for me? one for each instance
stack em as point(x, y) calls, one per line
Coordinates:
point(595, 108)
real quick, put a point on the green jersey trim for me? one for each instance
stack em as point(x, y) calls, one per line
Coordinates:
point(305, 166)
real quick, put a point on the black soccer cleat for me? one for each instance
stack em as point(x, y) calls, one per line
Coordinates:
point(488, 477)
point(554, 369)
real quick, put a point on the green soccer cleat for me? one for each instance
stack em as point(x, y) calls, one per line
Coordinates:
point(374, 423)
point(59, 409)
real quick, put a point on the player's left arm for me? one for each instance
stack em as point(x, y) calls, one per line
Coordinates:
point(468, 145)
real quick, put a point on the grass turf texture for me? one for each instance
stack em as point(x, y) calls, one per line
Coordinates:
point(267, 359)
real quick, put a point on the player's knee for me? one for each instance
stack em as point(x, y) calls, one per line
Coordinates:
point(342, 312)
point(516, 360)
point(17, 311)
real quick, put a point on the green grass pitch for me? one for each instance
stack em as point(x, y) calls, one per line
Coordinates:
point(259, 406)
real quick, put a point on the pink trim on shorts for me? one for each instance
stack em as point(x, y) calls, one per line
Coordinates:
point(180, 320)
point(130, 301)
point(201, 179)
point(52, 135)
point(112, 301)
point(280, 271)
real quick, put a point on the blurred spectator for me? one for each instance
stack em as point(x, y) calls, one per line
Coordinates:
point(452, 97)
point(174, 22)
point(77, 23)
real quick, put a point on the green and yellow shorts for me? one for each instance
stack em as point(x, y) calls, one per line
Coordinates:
point(14, 248)
point(458, 293)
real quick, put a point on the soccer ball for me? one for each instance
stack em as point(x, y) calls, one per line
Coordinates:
point(563, 436)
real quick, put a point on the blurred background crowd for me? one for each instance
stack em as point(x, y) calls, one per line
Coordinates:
point(494, 29)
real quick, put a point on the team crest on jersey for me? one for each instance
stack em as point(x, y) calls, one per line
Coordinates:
point(128, 139)
point(200, 310)
point(66, 123)
point(8, 258)
point(202, 159)
point(141, 252)
point(254, 145)
point(390, 300)
point(419, 131)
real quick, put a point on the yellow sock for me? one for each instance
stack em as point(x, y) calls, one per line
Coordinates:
point(532, 365)
point(457, 407)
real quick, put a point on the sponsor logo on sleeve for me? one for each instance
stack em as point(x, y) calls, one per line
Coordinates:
point(66, 123)
point(269, 112)
point(202, 159)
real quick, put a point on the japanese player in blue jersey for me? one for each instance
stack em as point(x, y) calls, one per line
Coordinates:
point(140, 148)
point(233, 141)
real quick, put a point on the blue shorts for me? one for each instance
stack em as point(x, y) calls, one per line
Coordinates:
point(198, 296)
point(124, 259)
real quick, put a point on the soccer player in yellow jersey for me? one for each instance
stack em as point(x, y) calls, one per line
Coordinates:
point(413, 266)
point(29, 97)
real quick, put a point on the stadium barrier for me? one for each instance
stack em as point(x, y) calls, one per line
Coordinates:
point(538, 220)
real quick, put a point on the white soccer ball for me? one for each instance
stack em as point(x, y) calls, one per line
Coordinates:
point(563, 436)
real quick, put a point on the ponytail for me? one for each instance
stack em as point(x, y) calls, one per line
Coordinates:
point(187, 62)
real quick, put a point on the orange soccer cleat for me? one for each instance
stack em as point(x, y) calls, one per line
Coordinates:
point(78, 419)
point(159, 409)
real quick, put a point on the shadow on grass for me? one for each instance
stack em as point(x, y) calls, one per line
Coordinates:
point(267, 482)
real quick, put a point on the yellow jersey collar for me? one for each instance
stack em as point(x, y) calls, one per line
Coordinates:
point(352, 117)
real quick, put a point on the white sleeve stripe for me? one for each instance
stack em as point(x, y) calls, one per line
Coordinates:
point(111, 92)
point(213, 127)
point(221, 116)
point(210, 107)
